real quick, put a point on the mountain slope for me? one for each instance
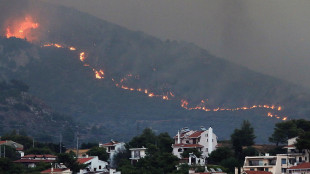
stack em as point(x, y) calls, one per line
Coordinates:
point(179, 71)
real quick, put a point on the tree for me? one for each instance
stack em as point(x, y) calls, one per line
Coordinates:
point(284, 131)
point(101, 152)
point(303, 141)
point(219, 155)
point(186, 153)
point(242, 137)
point(230, 164)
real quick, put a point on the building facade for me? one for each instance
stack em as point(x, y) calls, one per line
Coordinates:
point(203, 140)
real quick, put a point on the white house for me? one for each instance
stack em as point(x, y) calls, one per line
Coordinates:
point(137, 153)
point(203, 140)
point(113, 147)
point(93, 164)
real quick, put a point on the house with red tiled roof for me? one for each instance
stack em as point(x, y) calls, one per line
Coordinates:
point(203, 140)
point(31, 160)
point(303, 168)
point(93, 164)
point(113, 147)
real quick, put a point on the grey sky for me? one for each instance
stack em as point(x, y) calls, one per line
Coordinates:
point(269, 36)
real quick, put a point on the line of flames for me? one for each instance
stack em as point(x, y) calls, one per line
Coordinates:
point(99, 74)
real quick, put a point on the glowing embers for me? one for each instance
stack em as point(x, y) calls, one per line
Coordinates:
point(22, 29)
point(201, 106)
point(82, 56)
point(99, 74)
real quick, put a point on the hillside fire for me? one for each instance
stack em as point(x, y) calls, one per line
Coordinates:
point(22, 29)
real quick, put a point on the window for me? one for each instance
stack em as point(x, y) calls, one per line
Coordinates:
point(99, 167)
point(179, 150)
point(266, 169)
point(206, 149)
point(187, 142)
point(212, 140)
point(283, 161)
point(207, 140)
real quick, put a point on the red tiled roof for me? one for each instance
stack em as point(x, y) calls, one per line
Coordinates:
point(196, 134)
point(33, 161)
point(187, 145)
point(83, 160)
point(257, 172)
point(54, 170)
point(112, 143)
point(39, 156)
point(289, 146)
point(2, 142)
point(301, 166)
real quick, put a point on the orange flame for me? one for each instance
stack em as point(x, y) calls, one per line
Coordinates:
point(82, 56)
point(22, 29)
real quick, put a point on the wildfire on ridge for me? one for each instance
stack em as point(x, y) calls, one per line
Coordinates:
point(22, 29)
point(184, 103)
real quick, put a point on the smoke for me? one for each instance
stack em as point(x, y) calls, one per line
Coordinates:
point(271, 37)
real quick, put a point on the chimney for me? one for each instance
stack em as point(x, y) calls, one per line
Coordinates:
point(210, 143)
point(179, 141)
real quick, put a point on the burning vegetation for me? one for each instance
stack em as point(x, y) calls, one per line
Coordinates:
point(23, 29)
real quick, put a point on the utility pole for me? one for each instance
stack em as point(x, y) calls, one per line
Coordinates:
point(60, 146)
point(77, 145)
point(4, 147)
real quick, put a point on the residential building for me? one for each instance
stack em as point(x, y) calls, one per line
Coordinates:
point(300, 156)
point(93, 164)
point(303, 168)
point(112, 147)
point(31, 160)
point(19, 148)
point(278, 164)
point(203, 140)
point(274, 164)
point(137, 153)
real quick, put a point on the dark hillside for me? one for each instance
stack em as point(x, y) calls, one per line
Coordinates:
point(128, 59)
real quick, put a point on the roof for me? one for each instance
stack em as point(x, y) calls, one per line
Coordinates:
point(257, 172)
point(196, 134)
point(33, 161)
point(289, 146)
point(39, 156)
point(301, 166)
point(2, 142)
point(84, 160)
point(112, 143)
point(54, 170)
point(187, 145)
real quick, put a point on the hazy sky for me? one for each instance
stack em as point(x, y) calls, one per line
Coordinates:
point(269, 36)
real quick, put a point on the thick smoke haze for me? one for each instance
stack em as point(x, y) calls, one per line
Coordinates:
point(271, 37)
